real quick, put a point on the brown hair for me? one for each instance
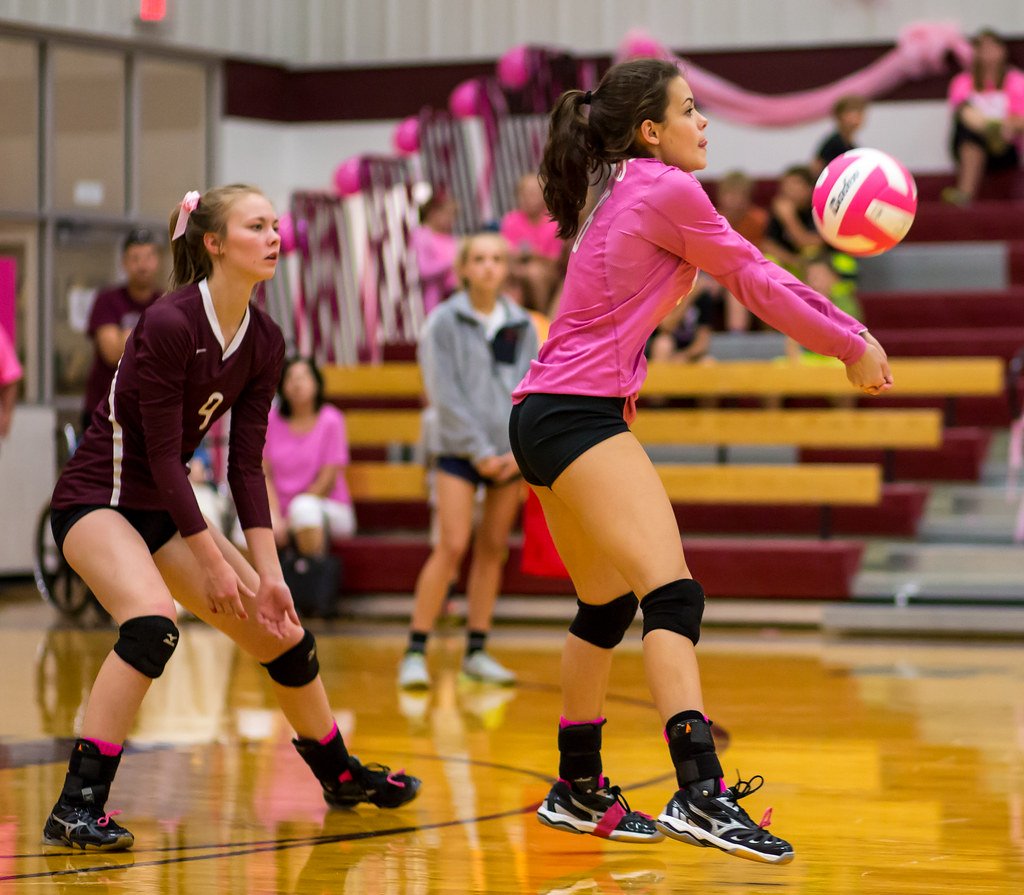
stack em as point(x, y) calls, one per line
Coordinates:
point(976, 73)
point(436, 201)
point(284, 406)
point(852, 102)
point(580, 145)
point(190, 260)
point(801, 171)
point(736, 180)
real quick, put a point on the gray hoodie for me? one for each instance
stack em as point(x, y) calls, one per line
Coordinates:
point(469, 380)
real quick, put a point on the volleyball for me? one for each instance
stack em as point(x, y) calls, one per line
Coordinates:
point(864, 202)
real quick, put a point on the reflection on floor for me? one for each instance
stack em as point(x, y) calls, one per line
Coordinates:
point(893, 767)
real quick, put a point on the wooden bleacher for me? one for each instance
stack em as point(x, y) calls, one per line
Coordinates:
point(915, 377)
point(817, 484)
point(801, 428)
point(382, 409)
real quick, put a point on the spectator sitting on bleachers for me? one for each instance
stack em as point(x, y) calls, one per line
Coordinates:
point(684, 335)
point(10, 376)
point(435, 248)
point(304, 459)
point(988, 117)
point(532, 236)
point(791, 237)
point(521, 292)
point(834, 275)
point(848, 112)
point(735, 204)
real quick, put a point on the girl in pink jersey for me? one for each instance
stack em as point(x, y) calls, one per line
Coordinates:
point(988, 117)
point(126, 519)
point(634, 259)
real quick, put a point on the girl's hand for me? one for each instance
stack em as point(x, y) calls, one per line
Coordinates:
point(886, 371)
point(275, 609)
point(225, 590)
point(509, 468)
point(488, 467)
point(871, 373)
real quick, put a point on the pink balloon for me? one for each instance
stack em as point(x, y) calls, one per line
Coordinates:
point(640, 45)
point(286, 230)
point(464, 100)
point(406, 138)
point(347, 179)
point(514, 68)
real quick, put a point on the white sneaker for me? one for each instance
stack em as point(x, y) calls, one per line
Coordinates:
point(412, 672)
point(484, 668)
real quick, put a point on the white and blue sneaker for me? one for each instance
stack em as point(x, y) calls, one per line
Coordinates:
point(484, 668)
point(412, 672)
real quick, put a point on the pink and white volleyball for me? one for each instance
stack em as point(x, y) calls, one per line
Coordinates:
point(864, 202)
point(406, 138)
point(465, 100)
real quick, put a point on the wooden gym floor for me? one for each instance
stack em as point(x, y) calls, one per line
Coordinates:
point(894, 767)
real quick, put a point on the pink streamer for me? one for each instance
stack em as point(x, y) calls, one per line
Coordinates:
point(920, 51)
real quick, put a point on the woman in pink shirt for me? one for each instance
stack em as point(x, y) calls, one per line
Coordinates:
point(435, 248)
point(533, 236)
point(632, 261)
point(305, 458)
point(988, 117)
point(10, 375)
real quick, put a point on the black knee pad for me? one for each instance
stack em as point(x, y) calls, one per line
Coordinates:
point(605, 625)
point(146, 643)
point(296, 667)
point(677, 606)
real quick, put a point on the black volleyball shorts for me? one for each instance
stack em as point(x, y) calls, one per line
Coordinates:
point(156, 526)
point(548, 432)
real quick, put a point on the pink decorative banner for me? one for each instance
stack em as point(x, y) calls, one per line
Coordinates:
point(920, 51)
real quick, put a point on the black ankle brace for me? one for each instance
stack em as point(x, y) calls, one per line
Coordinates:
point(89, 775)
point(579, 747)
point(327, 761)
point(692, 749)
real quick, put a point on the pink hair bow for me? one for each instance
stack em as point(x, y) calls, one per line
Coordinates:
point(188, 205)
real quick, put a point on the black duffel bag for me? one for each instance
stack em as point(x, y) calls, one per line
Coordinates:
point(315, 583)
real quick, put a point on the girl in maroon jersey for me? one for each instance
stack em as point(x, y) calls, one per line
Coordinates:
point(125, 517)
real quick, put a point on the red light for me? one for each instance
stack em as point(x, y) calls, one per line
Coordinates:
point(152, 10)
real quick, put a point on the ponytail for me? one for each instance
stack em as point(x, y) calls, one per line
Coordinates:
point(568, 162)
point(190, 259)
point(581, 144)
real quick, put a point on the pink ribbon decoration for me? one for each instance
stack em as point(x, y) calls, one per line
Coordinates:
point(920, 51)
point(188, 204)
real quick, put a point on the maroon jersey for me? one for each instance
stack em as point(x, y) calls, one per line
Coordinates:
point(114, 306)
point(176, 377)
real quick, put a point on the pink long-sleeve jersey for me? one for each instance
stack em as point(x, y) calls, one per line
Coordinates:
point(636, 257)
